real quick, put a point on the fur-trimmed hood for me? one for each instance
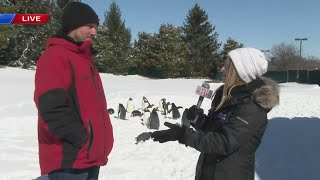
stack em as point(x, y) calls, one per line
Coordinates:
point(267, 95)
point(263, 91)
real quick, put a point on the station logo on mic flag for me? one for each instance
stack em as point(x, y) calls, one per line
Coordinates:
point(204, 92)
point(7, 19)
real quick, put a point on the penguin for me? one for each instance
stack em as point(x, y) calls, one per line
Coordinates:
point(110, 111)
point(121, 112)
point(143, 137)
point(136, 113)
point(149, 107)
point(145, 118)
point(145, 103)
point(154, 120)
point(168, 110)
point(184, 120)
point(165, 107)
point(161, 106)
point(175, 111)
point(130, 105)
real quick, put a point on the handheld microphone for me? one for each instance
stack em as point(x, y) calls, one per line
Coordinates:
point(203, 91)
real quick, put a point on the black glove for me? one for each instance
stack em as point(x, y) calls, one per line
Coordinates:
point(196, 117)
point(174, 133)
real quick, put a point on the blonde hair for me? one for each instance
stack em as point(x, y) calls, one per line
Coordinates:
point(232, 80)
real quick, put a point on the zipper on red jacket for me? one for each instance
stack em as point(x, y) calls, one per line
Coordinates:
point(102, 115)
point(94, 80)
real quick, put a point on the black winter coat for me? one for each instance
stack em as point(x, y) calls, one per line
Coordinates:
point(230, 136)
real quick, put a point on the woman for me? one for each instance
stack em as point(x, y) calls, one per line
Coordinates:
point(230, 134)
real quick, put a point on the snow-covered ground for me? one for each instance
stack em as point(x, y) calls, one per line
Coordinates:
point(289, 151)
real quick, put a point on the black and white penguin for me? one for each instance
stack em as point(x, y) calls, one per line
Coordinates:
point(162, 105)
point(145, 118)
point(150, 107)
point(145, 103)
point(168, 110)
point(110, 111)
point(154, 120)
point(165, 107)
point(136, 113)
point(175, 111)
point(184, 120)
point(130, 105)
point(121, 112)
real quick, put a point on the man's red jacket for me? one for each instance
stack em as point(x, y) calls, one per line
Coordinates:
point(74, 128)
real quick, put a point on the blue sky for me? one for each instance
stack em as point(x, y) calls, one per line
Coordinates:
point(255, 23)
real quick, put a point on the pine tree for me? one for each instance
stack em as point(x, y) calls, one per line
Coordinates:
point(161, 55)
point(202, 43)
point(173, 51)
point(25, 47)
point(7, 31)
point(145, 53)
point(230, 45)
point(114, 43)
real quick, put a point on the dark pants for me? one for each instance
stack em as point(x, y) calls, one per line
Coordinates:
point(91, 173)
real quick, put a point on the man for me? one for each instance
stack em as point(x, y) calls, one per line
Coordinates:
point(74, 130)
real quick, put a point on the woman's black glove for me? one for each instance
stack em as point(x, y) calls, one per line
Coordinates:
point(175, 132)
point(196, 117)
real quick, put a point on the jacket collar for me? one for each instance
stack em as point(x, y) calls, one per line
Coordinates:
point(83, 48)
point(263, 91)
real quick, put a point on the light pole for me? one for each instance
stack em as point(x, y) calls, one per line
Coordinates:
point(300, 39)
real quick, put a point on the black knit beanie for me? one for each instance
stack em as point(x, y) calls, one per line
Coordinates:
point(77, 14)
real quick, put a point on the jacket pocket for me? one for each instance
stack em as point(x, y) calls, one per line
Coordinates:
point(90, 138)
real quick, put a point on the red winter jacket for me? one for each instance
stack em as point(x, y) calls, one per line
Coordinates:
point(74, 128)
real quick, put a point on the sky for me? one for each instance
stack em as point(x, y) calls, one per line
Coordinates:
point(255, 23)
point(288, 150)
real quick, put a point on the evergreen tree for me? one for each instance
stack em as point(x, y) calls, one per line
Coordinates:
point(25, 47)
point(114, 43)
point(230, 45)
point(145, 53)
point(202, 43)
point(104, 46)
point(161, 55)
point(7, 31)
point(172, 52)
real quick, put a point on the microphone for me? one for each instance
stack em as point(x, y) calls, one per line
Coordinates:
point(203, 91)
